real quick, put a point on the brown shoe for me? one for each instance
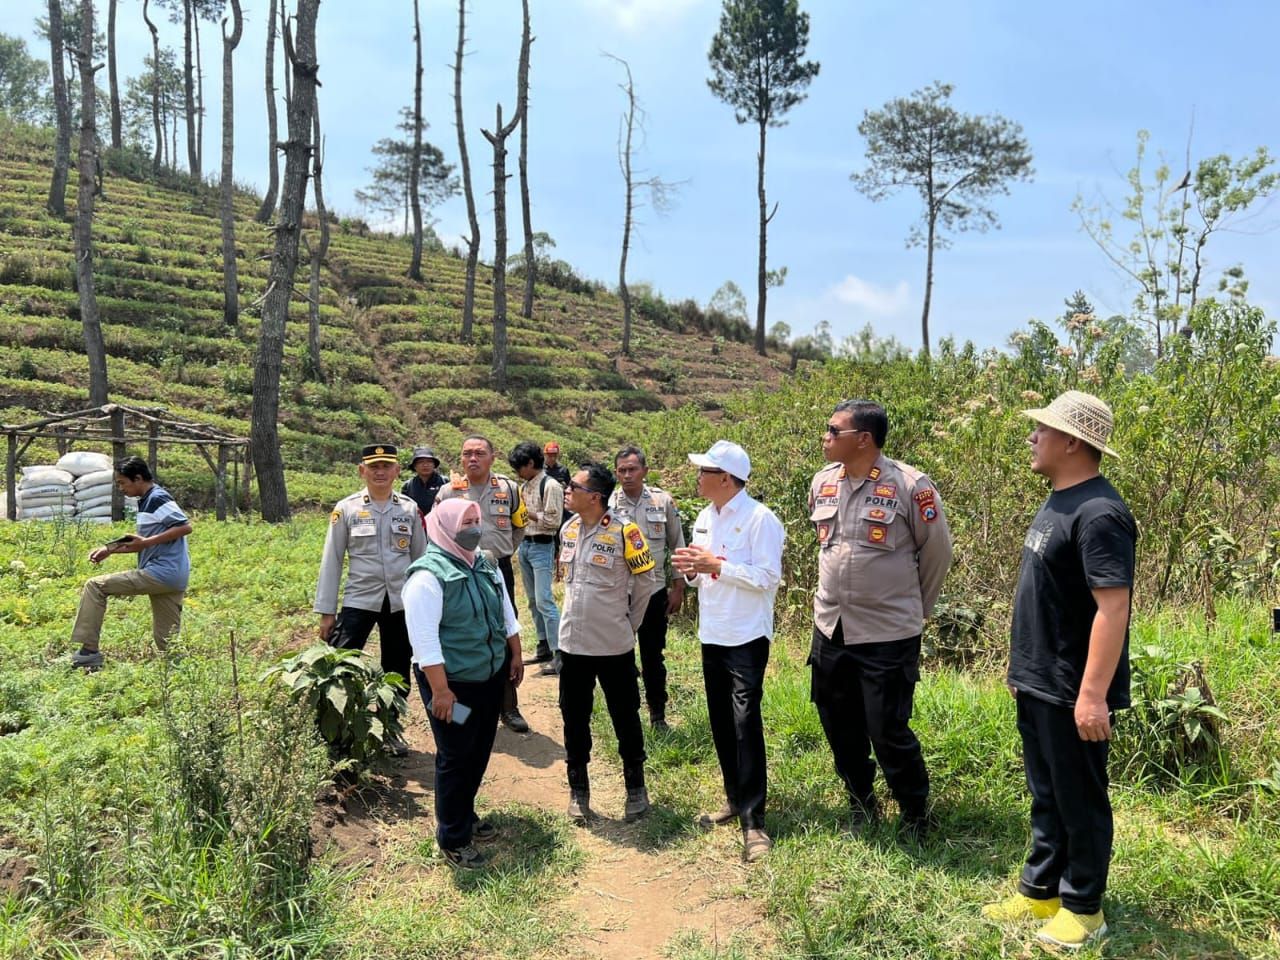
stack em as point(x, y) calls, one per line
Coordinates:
point(726, 814)
point(755, 844)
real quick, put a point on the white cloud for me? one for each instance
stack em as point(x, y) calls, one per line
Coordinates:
point(865, 297)
point(633, 15)
point(848, 305)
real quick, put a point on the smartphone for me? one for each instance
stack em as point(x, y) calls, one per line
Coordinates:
point(459, 713)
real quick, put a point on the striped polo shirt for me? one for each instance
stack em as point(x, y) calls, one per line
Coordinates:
point(168, 562)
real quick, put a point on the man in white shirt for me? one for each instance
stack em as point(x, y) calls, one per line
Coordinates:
point(735, 561)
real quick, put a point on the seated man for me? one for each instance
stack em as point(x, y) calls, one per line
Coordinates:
point(163, 565)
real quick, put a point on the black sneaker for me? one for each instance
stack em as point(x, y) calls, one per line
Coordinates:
point(464, 858)
point(540, 655)
point(551, 668)
point(515, 721)
point(483, 831)
point(87, 660)
point(916, 827)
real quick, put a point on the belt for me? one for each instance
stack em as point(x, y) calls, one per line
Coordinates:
point(541, 538)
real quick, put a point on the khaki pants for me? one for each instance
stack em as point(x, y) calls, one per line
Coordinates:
point(166, 605)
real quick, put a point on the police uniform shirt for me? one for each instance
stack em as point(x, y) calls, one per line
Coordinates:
point(883, 550)
point(502, 511)
point(608, 579)
point(379, 542)
point(656, 515)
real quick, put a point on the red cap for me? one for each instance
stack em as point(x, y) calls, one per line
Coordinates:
point(551, 447)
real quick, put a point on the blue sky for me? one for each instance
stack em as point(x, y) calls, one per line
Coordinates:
point(1080, 78)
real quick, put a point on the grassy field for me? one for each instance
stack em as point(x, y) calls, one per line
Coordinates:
point(395, 367)
point(106, 851)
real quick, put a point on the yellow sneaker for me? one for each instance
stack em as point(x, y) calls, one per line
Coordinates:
point(1072, 930)
point(1020, 907)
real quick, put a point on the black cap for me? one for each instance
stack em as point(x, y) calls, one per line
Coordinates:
point(424, 453)
point(379, 453)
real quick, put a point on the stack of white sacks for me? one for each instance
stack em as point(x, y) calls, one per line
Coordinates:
point(79, 485)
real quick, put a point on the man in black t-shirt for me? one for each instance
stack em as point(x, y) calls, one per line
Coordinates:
point(1069, 669)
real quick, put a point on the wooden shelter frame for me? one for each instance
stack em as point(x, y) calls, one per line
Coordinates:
point(119, 425)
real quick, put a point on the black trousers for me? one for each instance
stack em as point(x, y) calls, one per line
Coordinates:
point(651, 639)
point(510, 701)
point(462, 754)
point(1071, 827)
point(352, 628)
point(618, 682)
point(734, 681)
point(864, 693)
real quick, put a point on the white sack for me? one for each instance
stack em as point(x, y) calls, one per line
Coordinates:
point(78, 462)
point(95, 478)
point(44, 473)
point(45, 490)
point(94, 492)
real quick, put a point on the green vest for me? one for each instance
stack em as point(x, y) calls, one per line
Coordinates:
point(473, 631)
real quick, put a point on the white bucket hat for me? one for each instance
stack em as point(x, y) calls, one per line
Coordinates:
point(1080, 415)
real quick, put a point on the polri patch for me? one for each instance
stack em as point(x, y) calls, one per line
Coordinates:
point(928, 512)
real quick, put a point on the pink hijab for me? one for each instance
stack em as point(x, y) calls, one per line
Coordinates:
point(445, 520)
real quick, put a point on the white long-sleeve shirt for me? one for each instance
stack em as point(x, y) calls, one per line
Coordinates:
point(424, 605)
point(736, 606)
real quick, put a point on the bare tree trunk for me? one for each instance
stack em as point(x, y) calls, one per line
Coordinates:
point(473, 240)
point(155, 86)
point(93, 344)
point(928, 285)
point(624, 161)
point(522, 107)
point(263, 431)
point(230, 286)
point(762, 277)
point(117, 138)
point(415, 264)
point(268, 208)
point(57, 204)
point(189, 90)
point(498, 140)
point(319, 253)
point(195, 29)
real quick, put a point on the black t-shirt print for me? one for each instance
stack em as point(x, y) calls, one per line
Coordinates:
point(1084, 537)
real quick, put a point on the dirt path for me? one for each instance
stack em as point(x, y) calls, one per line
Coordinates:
point(625, 902)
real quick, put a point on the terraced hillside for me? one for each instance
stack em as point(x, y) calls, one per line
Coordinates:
point(394, 362)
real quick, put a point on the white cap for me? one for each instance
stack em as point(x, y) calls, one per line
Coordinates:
point(727, 456)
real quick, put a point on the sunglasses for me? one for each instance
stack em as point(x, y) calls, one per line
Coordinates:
point(573, 485)
point(837, 432)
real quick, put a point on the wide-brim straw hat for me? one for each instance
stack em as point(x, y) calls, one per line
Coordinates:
point(1080, 415)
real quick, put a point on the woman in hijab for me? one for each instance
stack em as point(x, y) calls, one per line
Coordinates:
point(466, 643)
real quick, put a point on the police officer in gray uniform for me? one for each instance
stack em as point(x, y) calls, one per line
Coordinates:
point(654, 512)
point(378, 532)
point(883, 551)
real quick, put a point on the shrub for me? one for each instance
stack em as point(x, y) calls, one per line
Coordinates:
point(357, 707)
point(1174, 727)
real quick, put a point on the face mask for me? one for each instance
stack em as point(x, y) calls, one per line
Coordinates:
point(468, 538)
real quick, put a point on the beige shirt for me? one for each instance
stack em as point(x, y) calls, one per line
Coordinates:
point(656, 515)
point(544, 500)
point(883, 551)
point(378, 541)
point(502, 514)
point(608, 579)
